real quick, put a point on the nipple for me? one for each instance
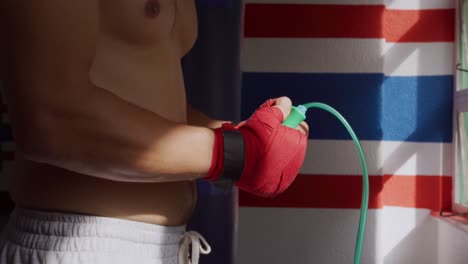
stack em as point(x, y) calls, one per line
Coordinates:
point(152, 8)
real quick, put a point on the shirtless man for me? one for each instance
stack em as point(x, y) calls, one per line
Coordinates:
point(107, 149)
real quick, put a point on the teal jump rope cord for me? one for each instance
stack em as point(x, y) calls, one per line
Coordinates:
point(298, 115)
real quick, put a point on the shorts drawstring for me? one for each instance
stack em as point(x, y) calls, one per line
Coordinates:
point(192, 238)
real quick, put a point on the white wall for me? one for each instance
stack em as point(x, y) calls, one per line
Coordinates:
point(393, 236)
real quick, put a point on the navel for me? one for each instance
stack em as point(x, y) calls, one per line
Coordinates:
point(153, 8)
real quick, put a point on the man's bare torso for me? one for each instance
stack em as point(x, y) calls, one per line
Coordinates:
point(137, 58)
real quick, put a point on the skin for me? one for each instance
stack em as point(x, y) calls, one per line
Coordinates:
point(97, 105)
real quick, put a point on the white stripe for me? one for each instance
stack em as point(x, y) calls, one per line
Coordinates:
point(390, 4)
point(322, 55)
point(290, 235)
point(383, 157)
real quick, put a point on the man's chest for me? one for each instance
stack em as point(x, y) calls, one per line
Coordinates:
point(147, 22)
point(138, 21)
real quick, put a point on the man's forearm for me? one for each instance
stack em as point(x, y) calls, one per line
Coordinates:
point(113, 139)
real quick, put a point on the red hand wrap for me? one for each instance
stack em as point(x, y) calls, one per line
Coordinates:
point(273, 153)
point(218, 159)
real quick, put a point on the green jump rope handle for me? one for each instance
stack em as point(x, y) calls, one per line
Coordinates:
point(296, 116)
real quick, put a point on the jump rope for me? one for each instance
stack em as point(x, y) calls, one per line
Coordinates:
point(296, 116)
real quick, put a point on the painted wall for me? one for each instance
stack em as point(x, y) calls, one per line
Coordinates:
point(387, 66)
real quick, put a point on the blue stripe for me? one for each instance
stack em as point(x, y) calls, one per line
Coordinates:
point(378, 107)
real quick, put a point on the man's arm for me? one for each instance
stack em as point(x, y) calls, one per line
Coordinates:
point(59, 117)
point(197, 118)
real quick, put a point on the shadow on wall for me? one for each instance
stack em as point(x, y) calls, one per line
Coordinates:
point(417, 246)
point(396, 108)
point(432, 241)
point(313, 235)
point(428, 119)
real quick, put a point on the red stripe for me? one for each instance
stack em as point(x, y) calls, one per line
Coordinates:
point(431, 192)
point(419, 26)
point(348, 21)
point(342, 191)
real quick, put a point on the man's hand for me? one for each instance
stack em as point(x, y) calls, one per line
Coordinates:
point(273, 153)
point(284, 104)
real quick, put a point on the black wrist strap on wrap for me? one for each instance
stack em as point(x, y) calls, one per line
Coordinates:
point(234, 159)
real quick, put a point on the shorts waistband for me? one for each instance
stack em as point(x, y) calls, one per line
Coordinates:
point(54, 231)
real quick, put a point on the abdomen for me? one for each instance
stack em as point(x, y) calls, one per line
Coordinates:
point(46, 187)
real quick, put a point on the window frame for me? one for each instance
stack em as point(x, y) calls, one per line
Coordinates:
point(460, 105)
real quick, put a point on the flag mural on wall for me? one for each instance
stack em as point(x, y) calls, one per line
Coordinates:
point(387, 66)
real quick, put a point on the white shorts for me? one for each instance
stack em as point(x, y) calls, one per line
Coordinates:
point(33, 237)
